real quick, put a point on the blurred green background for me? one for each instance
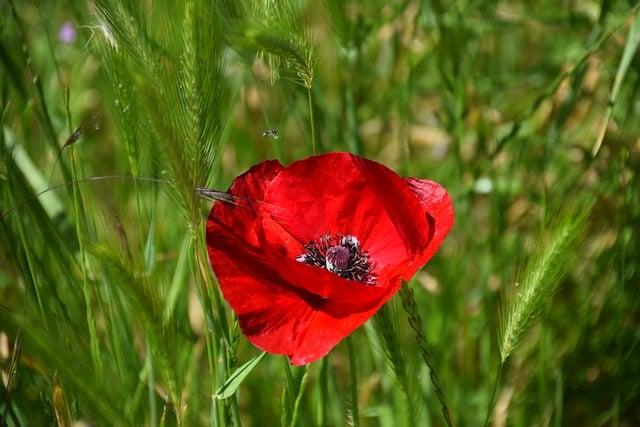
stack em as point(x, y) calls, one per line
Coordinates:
point(105, 289)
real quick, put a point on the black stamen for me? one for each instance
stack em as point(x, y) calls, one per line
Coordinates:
point(340, 255)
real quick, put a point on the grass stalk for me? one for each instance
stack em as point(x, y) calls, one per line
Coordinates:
point(79, 211)
point(551, 261)
point(211, 348)
point(386, 326)
point(312, 121)
point(494, 392)
point(213, 413)
point(415, 321)
point(353, 417)
point(151, 385)
point(80, 222)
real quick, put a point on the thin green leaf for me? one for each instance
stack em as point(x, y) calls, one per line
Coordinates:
point(232, 383)
point(630, 49)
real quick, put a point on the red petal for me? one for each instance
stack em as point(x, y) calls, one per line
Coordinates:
point(275, 311)
point(249, 188)
point(340, 193)
point(287, 307)
point(438, 210)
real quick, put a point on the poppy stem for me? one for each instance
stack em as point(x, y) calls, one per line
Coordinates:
point(353, 385)
point(323, 386)
point(415, 321)
point(296, 405)
point(313, 128)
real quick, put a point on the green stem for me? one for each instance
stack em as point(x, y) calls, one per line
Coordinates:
point(296, 406)
point(313, 127)
point(141, 230)
point(411, 308)
point(230, 407)
point(493, 394)
point(385, 324)
point(212, 349)
point(217, 310)
point(353, 384)
point(211, 298)
point(212, 372)
point(151, 387)
point(134, 401)
point(80, 220)
point(323, 402)
point(288, 400)
point(353, 138)
point(77, 203)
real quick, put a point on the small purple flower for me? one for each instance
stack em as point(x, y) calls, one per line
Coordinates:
point(67, 33)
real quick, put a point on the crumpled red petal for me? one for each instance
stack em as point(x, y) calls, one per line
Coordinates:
point(438, 210)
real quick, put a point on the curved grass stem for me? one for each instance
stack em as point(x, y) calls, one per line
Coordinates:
point(493, 394)
point(411, 308)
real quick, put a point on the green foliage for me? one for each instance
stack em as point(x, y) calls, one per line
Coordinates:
point(230, 386)
point(275, 32)
point(387, 325)
point(630, 49)
point(554, 258)
point(106, 294)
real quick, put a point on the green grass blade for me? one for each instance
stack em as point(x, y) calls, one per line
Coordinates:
point(630, 49)
point(232, 383)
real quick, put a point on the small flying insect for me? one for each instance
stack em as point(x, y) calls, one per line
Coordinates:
point(271, 133)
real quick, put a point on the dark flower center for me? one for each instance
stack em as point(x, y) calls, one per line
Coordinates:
point(340, 255)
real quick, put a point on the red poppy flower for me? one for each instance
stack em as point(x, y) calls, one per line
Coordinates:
point(311, 251)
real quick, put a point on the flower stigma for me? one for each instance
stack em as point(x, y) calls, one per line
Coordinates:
point(340, 255)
